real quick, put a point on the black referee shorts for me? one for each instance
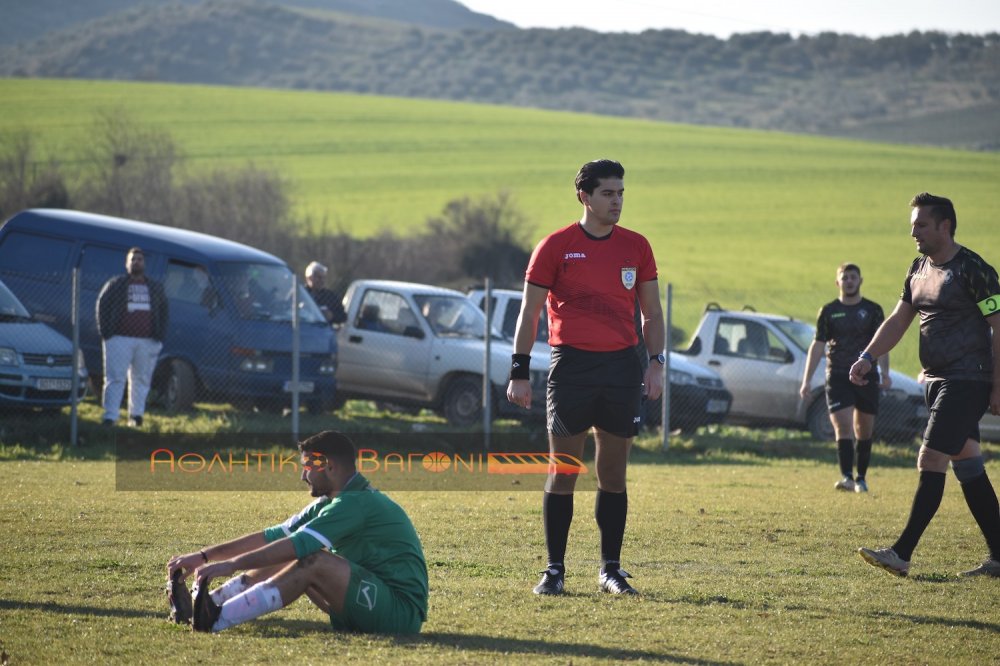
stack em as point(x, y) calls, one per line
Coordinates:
point(586, 388)
point(956, 407)
point(841, 392)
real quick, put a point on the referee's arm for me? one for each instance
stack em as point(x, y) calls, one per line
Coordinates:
point(519, 390)
point(653, 333)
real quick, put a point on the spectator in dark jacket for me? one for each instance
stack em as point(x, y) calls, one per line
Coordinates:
point(329, 303)
point(132, 317)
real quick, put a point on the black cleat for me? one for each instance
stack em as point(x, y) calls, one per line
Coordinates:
point(206, 611)
point(613, 582)
point(181, 606)
point(551, 583)
point(135, 421)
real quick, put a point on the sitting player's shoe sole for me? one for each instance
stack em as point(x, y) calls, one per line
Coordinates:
point(181, 606)
point(206, 611)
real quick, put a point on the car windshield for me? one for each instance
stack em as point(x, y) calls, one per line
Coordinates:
point(10, 307)
point(452, 316)
point(799, 332)
point(264, 291)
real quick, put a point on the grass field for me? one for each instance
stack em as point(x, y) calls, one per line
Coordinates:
point(735, 216)
point(740, 545)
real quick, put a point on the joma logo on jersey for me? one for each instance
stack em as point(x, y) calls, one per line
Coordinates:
point(574, 255)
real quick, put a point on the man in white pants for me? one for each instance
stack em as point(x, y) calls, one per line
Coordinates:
point(132, 320)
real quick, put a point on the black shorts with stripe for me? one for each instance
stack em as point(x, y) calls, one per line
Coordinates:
point(588, 388)
point(841, 393)
point(956, 406)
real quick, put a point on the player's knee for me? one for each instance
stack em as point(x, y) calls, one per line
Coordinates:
point(930, 460)
point(968, 469)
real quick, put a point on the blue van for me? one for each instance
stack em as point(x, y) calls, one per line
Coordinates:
point(229, 338)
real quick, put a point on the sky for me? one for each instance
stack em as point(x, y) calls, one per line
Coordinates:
point(871, 18)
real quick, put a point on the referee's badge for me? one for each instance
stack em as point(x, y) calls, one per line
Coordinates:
point(628, 276)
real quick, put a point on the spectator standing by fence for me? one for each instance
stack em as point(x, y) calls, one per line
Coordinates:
point(329, 303)
point(132, 314)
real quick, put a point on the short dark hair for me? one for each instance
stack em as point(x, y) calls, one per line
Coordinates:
point(847, 266)
point(940, 208)
point(591, 173)
point(133, 250)
point(334, 445)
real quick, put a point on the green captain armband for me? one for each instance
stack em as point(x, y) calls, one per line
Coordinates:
point(989, 305)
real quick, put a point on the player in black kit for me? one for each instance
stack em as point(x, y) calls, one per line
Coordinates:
point(957, 296)
point(844, 327)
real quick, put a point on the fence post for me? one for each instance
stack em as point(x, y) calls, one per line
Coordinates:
point(665, 402)
point(487, 385)
point(75, 385)
point(295, 358)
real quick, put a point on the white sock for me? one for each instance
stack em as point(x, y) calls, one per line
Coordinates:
point(229, 589)
point(259, 600)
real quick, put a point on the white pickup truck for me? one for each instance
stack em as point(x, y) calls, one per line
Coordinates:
point(418, 345)
point(761, 358)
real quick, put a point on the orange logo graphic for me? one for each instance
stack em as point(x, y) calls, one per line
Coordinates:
point(436, 462)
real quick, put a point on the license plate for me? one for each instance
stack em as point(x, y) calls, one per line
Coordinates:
point(48, 384)
point(304, 387)
point(716, 406)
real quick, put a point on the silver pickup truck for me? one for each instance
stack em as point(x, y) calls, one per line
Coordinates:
point(761, 358)
point(421, 346)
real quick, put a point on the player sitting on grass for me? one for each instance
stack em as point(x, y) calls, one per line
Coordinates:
point(353, 552)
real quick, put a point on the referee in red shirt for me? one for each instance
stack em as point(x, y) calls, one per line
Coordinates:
point(589, 274)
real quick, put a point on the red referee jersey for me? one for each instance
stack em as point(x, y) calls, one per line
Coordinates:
point(592, 285)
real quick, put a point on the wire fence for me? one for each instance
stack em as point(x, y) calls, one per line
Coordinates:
point(250, 337)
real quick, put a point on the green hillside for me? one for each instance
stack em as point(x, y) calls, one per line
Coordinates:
point(735, 216)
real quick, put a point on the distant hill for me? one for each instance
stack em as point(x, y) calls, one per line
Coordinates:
point(826, 84)
point(26, 20)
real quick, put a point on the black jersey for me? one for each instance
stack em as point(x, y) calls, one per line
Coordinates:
point(847, 330)
point(953, 301)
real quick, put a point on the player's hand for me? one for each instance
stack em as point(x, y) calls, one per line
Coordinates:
point(995, 400)
point(208, 572)
point(860, 368)
point(519, 392)
point(186, 563)
point(653, 381)
point(885, 382)
point(804, 391)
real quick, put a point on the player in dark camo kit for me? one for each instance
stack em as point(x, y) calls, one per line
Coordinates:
point(843, 328)
point(957, 296)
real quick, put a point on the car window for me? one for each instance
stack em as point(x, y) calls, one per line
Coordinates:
point(187, 283)
point(385, 312)
point(452, 316)
point(99, 264)
point(264, 291)
point(798, 332)
point(42, 257)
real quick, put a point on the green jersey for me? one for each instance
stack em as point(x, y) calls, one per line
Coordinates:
point(365, 527)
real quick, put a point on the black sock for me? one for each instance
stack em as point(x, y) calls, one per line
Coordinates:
point(864, 456)
point(557, 514)
point(926, 501)
point(845, 454)
point(982, 501)
point(610, 509)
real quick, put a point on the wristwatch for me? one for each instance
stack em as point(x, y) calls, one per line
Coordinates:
point(660, 358)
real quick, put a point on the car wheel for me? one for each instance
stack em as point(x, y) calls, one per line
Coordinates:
point(463, 401)
point(178, 394)
point(819, 421)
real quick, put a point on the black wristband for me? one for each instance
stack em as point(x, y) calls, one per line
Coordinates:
point(520, 366)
